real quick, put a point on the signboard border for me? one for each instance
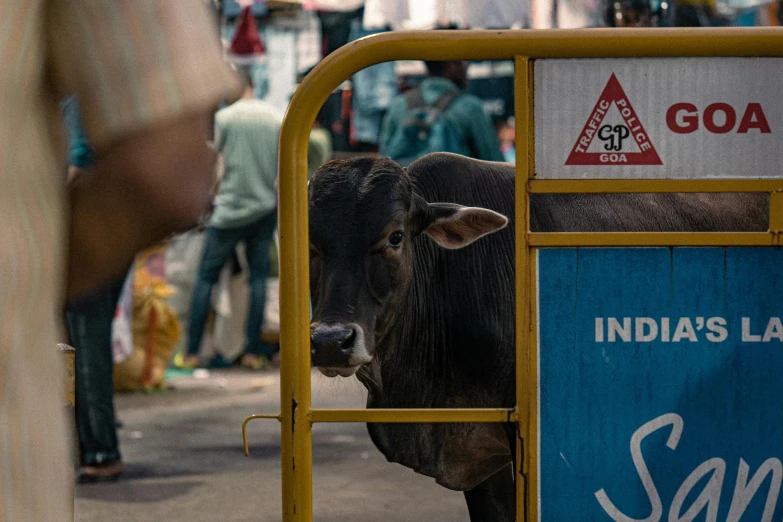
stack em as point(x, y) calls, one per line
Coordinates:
point(734, 255)
point(559, 173)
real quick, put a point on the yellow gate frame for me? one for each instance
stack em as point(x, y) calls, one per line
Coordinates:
point(297, 415)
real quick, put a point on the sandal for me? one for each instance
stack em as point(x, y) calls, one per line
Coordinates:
point(187, 362)
point(105, 472)
point(254, 362)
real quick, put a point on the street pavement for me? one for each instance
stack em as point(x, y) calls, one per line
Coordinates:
point(184, 458)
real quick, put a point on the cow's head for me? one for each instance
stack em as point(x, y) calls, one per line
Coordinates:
point(363, 218)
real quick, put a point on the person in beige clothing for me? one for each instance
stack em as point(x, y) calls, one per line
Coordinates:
point(149, 74)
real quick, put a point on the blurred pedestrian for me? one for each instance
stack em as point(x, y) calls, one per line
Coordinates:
point(662, 13)
point(89, 322)
point(438, 116)
point(89, 325)
point(245, 211)
point(698, 13)
point(148, 74)
point(637, 13)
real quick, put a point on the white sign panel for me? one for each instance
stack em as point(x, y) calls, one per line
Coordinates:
point(659, 118)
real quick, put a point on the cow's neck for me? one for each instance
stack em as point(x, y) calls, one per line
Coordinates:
point(412, 348)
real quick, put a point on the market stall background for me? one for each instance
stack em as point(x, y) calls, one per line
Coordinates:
point(298, 34)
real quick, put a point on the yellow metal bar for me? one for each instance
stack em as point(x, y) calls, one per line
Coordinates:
point(296, 469)
point(69, 358)
point(414, 415)
point(582, 186)
point(776, 214)
point(303, 461)
point(641, 239)
point(524, 170)
point(244, 427)
point(287, 383)
point(287, 436)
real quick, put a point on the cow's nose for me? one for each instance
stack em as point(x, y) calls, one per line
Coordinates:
point(335, 336)
point(331, 344)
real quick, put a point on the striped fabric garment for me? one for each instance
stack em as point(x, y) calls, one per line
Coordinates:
point(133, 64)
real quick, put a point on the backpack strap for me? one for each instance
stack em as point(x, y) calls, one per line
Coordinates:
point(442, 103)
point(414, 99)
point(415, 102)
point(440, 106)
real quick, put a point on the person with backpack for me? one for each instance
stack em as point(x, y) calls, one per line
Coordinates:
point(438, 116)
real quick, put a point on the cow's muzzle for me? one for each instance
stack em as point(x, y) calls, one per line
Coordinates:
point(338, 348)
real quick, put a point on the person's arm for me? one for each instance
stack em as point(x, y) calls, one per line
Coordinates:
point(142, 189)
point(80, 153)
point(146, 112)
point(482, 132)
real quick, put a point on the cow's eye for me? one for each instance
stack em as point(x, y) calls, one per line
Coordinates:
point(395, 239)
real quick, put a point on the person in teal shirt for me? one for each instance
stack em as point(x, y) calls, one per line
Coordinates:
point(475, 128)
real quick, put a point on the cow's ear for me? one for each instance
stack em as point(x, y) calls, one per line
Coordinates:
point(454, 226)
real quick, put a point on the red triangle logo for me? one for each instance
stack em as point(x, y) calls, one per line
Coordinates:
point(614, 138)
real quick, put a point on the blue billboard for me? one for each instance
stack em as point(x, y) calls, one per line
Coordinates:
point(660, 384)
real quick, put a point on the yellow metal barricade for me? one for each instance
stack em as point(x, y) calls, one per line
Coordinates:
point(524, 47)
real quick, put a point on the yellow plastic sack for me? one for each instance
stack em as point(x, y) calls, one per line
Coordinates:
point(156, 330)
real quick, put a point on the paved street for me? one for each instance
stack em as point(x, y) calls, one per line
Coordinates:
point(183, 451)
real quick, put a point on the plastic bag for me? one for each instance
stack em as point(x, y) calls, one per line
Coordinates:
point(121, 333)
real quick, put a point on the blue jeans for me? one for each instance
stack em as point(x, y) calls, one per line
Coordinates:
point(219, 247)
point(89, 331)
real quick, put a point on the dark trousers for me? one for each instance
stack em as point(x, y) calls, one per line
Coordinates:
point(219, 247)
point(89, 329)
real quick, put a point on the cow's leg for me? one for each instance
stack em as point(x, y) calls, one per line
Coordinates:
point(494, 499)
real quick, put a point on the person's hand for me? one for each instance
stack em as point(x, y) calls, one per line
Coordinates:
point(143, 188)
point(74, 173)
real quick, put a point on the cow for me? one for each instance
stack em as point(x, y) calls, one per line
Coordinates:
point(412, 285)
